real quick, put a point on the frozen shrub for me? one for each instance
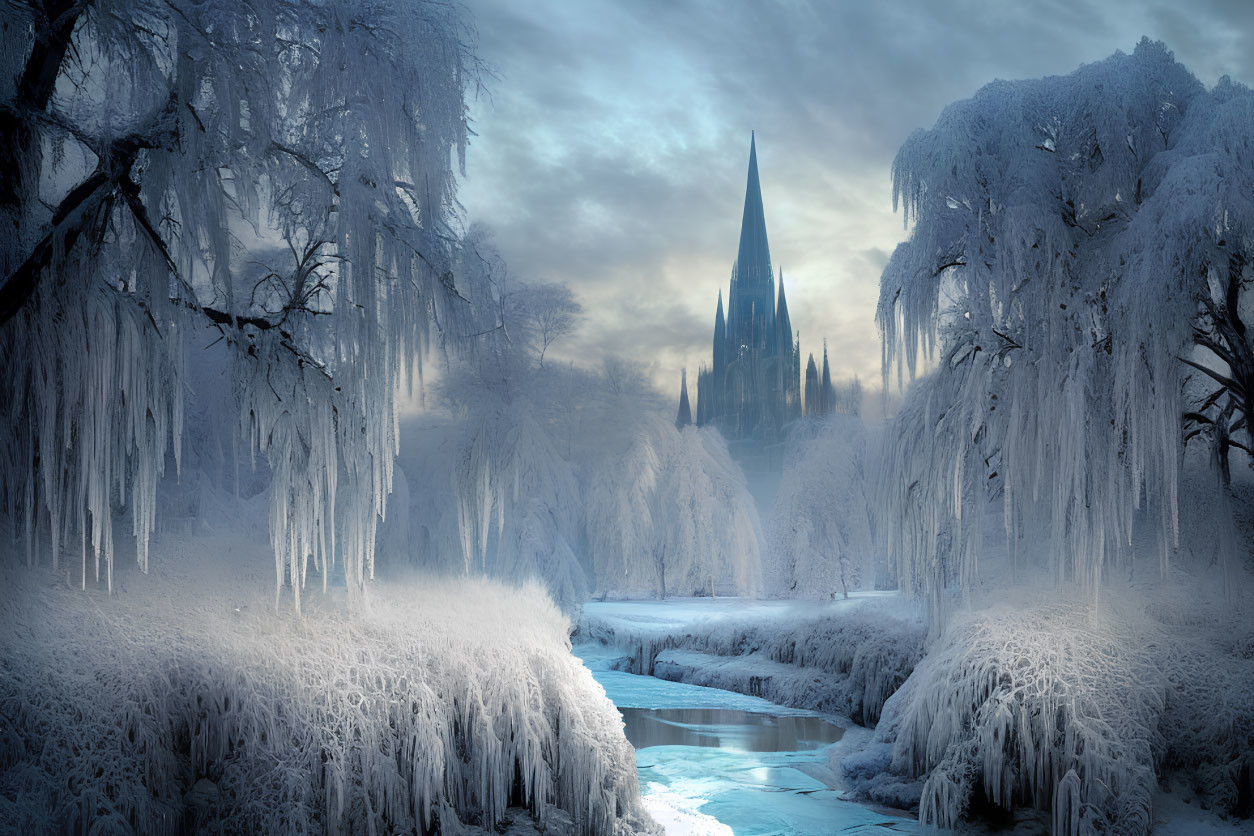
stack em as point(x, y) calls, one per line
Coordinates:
point(166, 709)
point(1054, 705)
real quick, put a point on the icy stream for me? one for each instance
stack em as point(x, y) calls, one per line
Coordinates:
point(716, 762)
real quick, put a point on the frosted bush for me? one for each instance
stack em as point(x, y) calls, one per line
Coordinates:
point(1205, 650)
point(1076, 710)
point(190, 707)
point(1055, 705)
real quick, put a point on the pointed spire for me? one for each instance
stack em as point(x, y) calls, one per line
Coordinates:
point(827, 394)
point(781, 307)
point(684, 418)
point(753, 260)
point(703, 395)
point(811, 404)
point(720, 339)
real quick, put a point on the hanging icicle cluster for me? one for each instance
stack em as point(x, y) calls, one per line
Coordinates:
point(203, 140)
point(93, 419)
point(1070, 236)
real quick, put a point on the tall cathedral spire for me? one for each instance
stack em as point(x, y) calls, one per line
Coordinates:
point(753, 260)
point(827, 393)
point(720, 337)
point(781, 314)
point(684, 418)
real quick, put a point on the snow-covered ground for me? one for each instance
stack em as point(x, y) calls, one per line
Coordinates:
point(676, 613)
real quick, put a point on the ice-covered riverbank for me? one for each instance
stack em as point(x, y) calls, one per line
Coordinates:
point(845, 656)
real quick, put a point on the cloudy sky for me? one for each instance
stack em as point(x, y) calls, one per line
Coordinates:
point(613, 142)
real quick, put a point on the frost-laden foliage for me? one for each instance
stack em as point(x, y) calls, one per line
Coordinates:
point(277, 173)
point(672, 515)
point(1204, 645)
point(502, 496)
point(1055, 705)
point(818, 533)
point(188, 708)
point(1209, 721)
point(496, 490)
point(1076, 709)
point(516, 495)
point(518, 499)
point(1074, 238)
point(489, 495)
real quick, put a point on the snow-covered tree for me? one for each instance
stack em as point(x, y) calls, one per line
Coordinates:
point(818, 534)
point(847, 397)
point(1078, 250)
point(672, 515)
point(275, 171)
point(497, 491)
point(549, 312)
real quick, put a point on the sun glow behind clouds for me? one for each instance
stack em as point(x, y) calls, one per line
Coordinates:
point(611, 151)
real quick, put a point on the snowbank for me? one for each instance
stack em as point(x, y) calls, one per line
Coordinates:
point(846, 656)
point(184, 702)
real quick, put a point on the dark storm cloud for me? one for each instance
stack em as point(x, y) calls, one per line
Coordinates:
point(612, 150)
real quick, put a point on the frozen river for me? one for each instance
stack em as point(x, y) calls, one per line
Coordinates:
point(716, 762)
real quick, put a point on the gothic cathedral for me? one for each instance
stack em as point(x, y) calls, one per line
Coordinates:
point(752, 390)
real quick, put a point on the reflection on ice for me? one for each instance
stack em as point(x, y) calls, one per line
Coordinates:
point(742, 731)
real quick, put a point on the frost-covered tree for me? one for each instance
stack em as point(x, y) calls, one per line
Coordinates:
point(549, 311)
point(277, 171)
point(672, 515)
point(818, 533)
point(1079, 248)
point(497, 486)
point(847, 397)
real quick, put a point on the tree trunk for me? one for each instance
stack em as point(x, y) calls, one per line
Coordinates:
point(21, 153)
point(660, 562)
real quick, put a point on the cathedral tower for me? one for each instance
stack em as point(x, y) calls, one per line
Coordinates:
point(752, 389)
